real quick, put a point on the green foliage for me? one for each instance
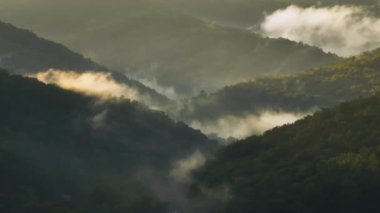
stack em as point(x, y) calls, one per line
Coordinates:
point(320, 87)
point(64, 152)
point(328, 162)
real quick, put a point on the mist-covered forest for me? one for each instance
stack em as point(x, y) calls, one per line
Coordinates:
point(328, 162)
point(171, 106)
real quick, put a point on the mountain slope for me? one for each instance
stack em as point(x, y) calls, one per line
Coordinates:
point(320, 87)
point(152, 41)
point(328, 162)
point(187, 54)
point(63, 152)
point(24, 51)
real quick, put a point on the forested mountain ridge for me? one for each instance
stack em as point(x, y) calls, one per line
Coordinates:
point(158, 43)
point(65, 152)
point(198, 54)
point(23, 51)
point(328, 162)
point(319, 87)
point(189, 106)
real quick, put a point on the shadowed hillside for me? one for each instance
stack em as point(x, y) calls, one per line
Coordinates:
point(328, 162)
point(24, 51)
point(64, 152)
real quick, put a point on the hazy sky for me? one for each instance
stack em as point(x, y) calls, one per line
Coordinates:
point(50, 18)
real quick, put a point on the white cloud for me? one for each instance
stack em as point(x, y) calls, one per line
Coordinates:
point(167, 91)
point(183, 168)
point(242, 127)
point(344, 30)
point(98, 84)
point(98, 120)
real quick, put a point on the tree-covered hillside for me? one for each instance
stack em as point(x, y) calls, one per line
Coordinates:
point(188, 54)
point(328, 162)
point(24, 51)
point(64, 152)
point(158, 42)
point(319, 87)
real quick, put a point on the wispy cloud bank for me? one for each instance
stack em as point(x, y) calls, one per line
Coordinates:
point(183, 168)
point(167, 91)
point(98, 84)
point(344, 30)
point(241, 127)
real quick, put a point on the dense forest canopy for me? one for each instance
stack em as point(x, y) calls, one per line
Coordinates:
point(318, 87)
point(328, 162)
point(198, 106)
point(61, 151)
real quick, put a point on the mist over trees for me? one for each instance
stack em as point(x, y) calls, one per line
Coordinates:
point(64, 152)
point(159, 43)
point(328, 162)
point(301, 92)
point(23, 52)
point(201, 106)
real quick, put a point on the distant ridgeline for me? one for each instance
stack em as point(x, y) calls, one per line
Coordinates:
point(247, 12)
point(321, 87)
point(64, 152)
point(188, 53)
point(328, 162)
point(23, 51)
